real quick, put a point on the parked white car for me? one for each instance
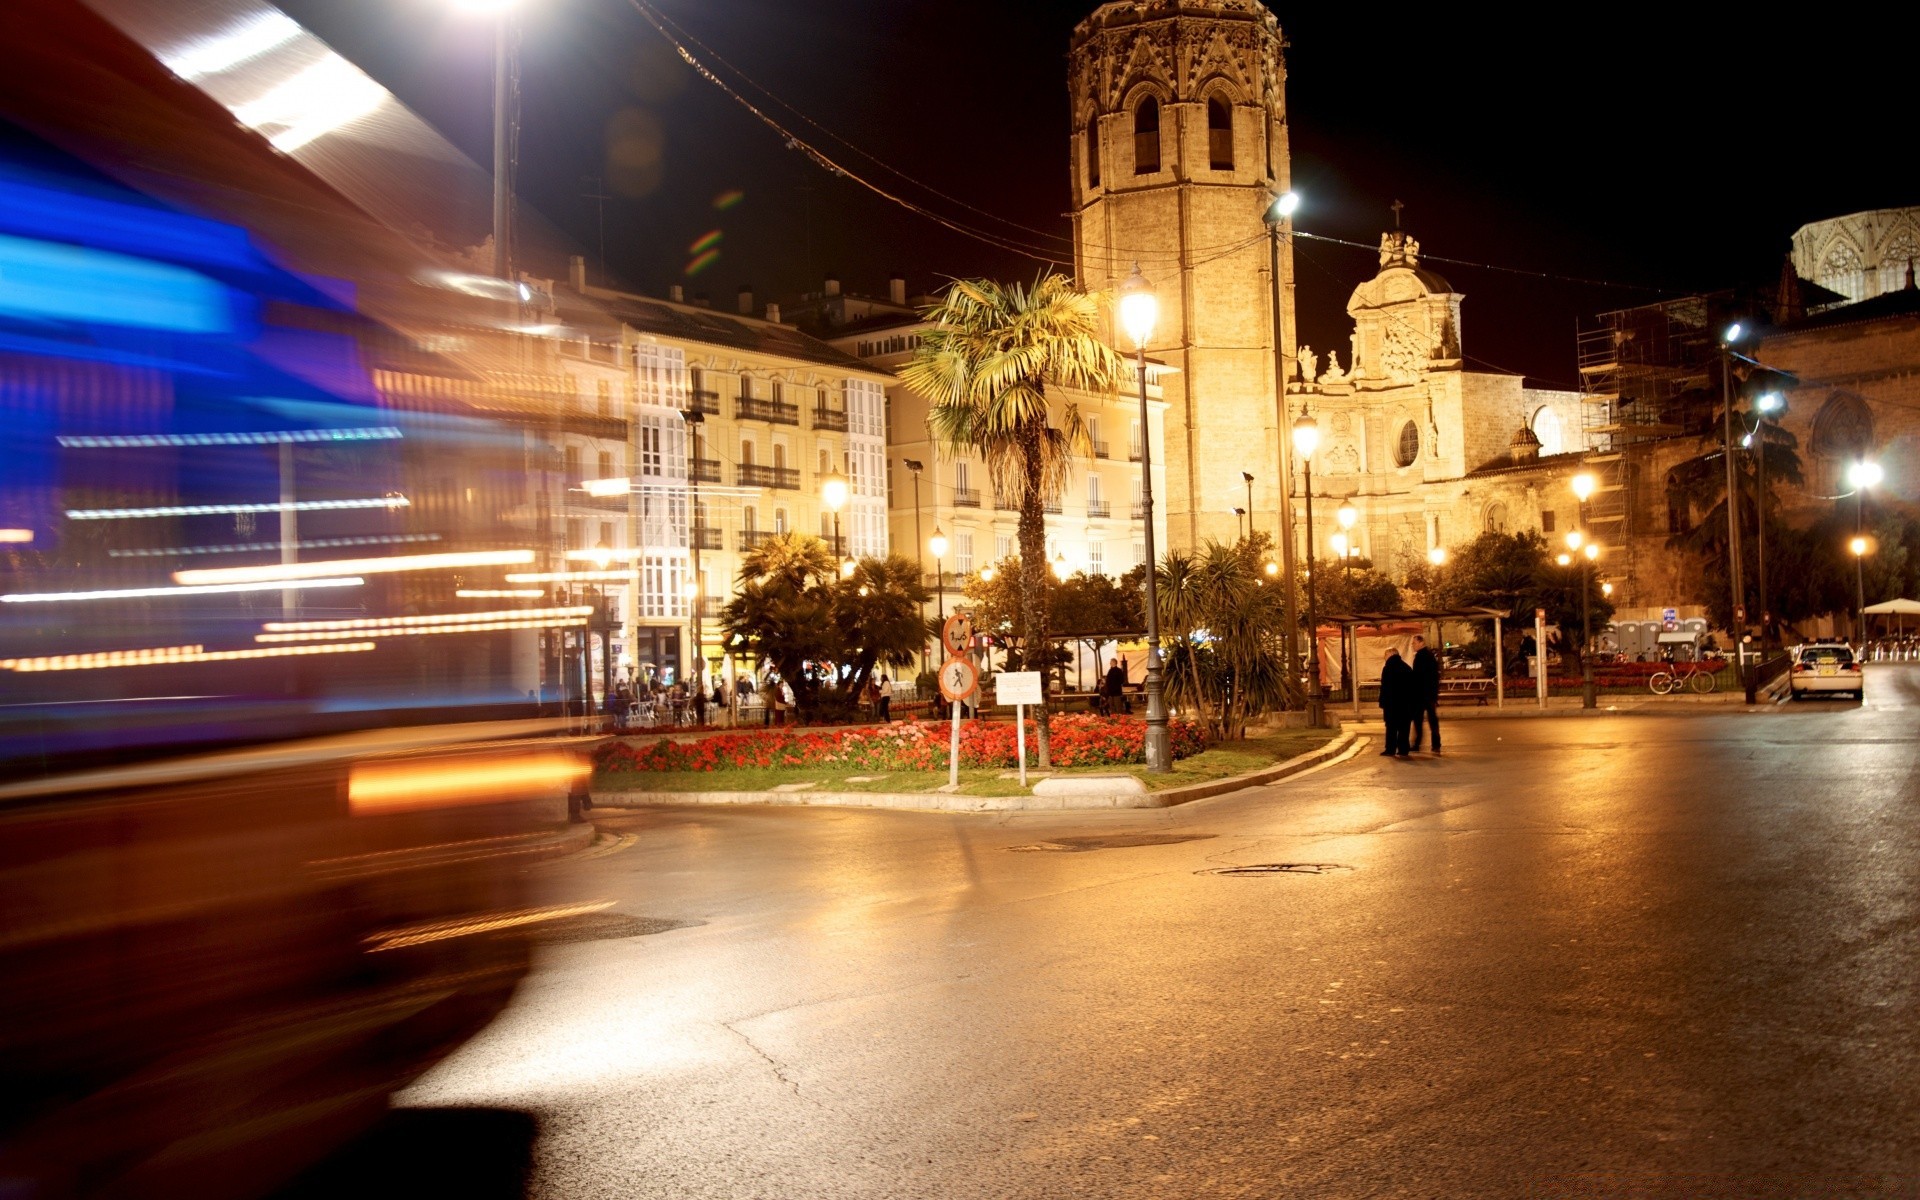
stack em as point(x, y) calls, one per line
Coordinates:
point(1826, 667)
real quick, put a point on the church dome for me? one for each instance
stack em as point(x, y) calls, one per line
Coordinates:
point(1524, 446)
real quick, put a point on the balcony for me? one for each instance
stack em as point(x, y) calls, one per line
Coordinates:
point(966, 498)
point(779, 412)
point(1050, 507)
point(707, 608)
point(755, 475)
point(751, 539)
point(705, 537)
point(702, 401)
point(833, 419)
point(1100, 450)
point(1139, 510)
point(1006, 503)
point(1099, 508)
point(704, 470)
point(1133, 454)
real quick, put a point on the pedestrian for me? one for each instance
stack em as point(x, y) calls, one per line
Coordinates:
point(1426, 692)
point(1115, 688)
point(1396, 703)
point(770, 713)
point(886, 698)
point(787, 702)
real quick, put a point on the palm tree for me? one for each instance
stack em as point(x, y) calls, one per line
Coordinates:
point(782, 610)
point(985, 367)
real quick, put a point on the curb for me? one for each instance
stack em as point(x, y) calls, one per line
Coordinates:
point(948, 802)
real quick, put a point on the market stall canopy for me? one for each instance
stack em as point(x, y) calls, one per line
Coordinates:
point(1885, 607)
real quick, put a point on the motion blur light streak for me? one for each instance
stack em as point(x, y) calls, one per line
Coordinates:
point(606, 487)
point(442, 930)
point(418, 631)
point(16, 536)
point(359, 566)
point(568, 576)
point(207, 510)
point(163, 655)
point(238, 43)
point(50, 281)
point(203, 590)
point(514, 614)
point(499, 593)
point(327, 95)
point(402, 786)
point(251, 547)
point(374, 434)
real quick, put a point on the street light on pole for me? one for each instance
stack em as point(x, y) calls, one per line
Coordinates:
point(505, 115)
point(1348, 516)
point(1278, 217)
point(1767, 403)
point(1583, 487)
point(1306, 439)
point(1863, 474)
point(833, 494)
point(1737, 614)
point(937, 546)
point(1139, 310)
point(1248, 477)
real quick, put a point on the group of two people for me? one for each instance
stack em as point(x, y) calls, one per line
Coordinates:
point(1410, 699)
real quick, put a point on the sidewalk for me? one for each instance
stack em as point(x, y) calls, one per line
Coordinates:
point(1607, 705)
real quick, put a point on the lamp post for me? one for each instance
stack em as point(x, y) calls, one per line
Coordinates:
point(1862, 475)
point(1306, 439)
point(919, 547)
point(505, 112)
point(1239, 517)
point(1737, 617)
point(1248, 477)
point(1279, 221)
point(937, 545)
point(1768, 403)
point(696, 527)
point(1583, 485)
point(1139, 309)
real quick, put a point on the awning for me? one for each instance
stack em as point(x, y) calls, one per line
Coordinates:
point(1910, 607)
point(1682, 638)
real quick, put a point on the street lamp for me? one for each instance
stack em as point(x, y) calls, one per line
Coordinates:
point(505, 116)
point(1738, 611)
point(1348, 516)
point(1767, 403)
point(1139, 310)
point(1863, 474)
point(1278, 216)
point(833, 494)
point(1437, 555)
point(1248, 477)
point(1583, 486)
point(1306, 439)
point(1239, 516)
point(937, 546)
point(916, 466)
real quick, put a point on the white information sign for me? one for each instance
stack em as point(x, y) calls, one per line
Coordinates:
point(1016, 687)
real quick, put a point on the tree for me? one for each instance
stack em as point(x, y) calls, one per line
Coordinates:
point(1697, 495)
point(1519, 572)
point(985, 366)
point(792, 609)
point(1224, 623)
point(1354, 589)
point(877, 616)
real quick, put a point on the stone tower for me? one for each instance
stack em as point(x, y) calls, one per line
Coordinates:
point(1179, 145)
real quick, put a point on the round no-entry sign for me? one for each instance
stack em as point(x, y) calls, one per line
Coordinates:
point(958, 678)
point(957, 633)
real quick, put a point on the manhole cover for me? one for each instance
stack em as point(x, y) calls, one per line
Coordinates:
point(1115, 841)
point(1278, 869)
point(601, 927)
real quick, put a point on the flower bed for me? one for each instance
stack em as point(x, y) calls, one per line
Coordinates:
point(1079, 740)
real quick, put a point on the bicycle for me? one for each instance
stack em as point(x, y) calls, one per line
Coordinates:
point(1692, 676)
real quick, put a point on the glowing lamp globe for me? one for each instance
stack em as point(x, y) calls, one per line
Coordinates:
point(1583, 485)
point(1306, 436)
point(1139, 308)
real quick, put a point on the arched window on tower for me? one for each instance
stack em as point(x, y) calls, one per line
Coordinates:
point(1219, 135)
point(1093, 150)
point(1146, 137)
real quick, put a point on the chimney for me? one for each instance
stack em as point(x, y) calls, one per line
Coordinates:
point(746, 300)
point(833, 286)
point(677, 294)
point(897, 289)
point(773, 313)
point(577, 272)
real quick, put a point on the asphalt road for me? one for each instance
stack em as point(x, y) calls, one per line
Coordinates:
point(1612, 956)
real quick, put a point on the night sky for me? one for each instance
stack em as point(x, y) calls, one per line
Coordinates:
point(1662, 149)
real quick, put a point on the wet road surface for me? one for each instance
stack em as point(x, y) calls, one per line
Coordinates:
point(1612, 956)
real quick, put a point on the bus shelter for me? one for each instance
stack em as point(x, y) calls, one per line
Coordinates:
point(1358, 647)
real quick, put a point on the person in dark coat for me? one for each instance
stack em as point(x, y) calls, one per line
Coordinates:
point(1396, 702)
point(1115, 689)
point(1426, 693)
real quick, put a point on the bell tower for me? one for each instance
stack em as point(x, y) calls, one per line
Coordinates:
point(1179, 147)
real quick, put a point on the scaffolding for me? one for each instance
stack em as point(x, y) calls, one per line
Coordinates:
point(1637, 366)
